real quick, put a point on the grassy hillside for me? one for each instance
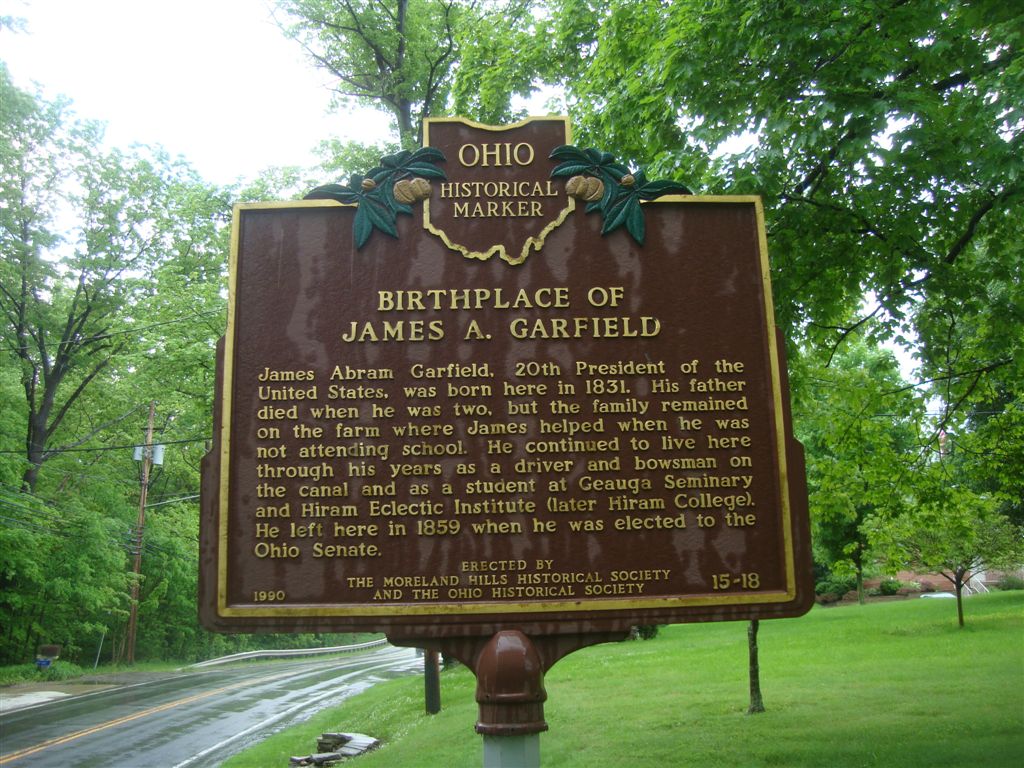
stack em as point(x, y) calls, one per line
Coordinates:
point(890, 684)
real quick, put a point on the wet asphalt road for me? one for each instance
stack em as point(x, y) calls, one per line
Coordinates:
point(194, 719)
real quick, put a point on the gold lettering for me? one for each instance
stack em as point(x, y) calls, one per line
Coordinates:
point(498, 154)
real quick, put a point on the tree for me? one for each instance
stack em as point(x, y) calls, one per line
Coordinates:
point(66, 290)
point(993, 451)
point(63, 575)
point(859, 425)
point(111, 295)
point(498, 57)
point(352, 156)
point(954, 531)
point(394, 55)
point(974, 358)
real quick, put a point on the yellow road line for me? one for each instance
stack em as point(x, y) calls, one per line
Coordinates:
point(127, 719)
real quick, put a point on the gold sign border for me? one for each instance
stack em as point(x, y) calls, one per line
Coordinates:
point(355, 611)
point(534, 243)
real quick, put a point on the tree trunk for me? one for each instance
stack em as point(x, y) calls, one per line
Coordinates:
point(117, 645)
point(756, 702)
point(35, 446)
point(408, 131)
point(28, 480)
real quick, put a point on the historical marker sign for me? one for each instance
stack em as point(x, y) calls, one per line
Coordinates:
point(501, 416)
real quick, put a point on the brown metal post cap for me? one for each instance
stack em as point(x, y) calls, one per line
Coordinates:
point(510, 686)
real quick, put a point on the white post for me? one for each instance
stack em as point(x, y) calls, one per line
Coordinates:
point(512, 751)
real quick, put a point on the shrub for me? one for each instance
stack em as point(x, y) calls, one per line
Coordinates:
point(62, 670)
point(30, 673)
point(645, 632)
point(835, 586)
point(18, 673)
point(889, 587)
point(1010, 582)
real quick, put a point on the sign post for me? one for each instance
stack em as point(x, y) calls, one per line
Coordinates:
point(501, 398)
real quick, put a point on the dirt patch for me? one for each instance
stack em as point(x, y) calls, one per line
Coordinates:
point(70, 688)
point(21, 695)
point(86, 683)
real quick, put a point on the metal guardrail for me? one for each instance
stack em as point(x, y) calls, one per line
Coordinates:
point(289, 652)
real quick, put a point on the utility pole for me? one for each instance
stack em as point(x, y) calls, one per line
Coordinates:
point(147, 460)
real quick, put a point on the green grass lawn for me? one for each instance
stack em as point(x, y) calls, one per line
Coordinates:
point(892, 684)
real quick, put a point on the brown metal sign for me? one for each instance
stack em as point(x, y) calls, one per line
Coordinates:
point(496, 420)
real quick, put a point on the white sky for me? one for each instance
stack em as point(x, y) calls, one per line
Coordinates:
point(212, 80)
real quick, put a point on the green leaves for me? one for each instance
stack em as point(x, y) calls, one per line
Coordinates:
point(396, 57)
point(623, 191)
point(859, 424)
point(374, 193)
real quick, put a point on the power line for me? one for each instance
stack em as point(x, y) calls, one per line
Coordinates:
point(34, 512)
point(172, 501)
point(13, 522)
point(128, 544)
point(31, 526)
